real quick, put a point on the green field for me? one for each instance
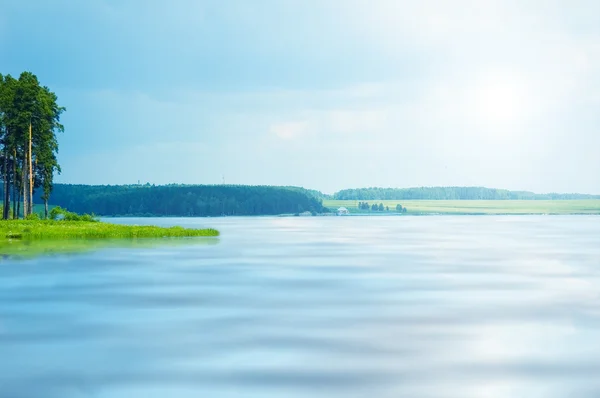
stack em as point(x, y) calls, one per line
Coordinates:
point(477, 206)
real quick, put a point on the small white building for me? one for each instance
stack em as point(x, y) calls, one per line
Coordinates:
point(342, 211)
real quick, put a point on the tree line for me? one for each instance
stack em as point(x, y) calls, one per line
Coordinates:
point(380, 207)
point(450, 193)
point(217, 200)
point(29, 121)
point(184, 200)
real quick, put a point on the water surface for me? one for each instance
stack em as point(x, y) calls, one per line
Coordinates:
point(452, 306)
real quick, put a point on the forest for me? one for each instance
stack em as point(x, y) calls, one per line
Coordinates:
point(450, 193)
point(29, 121)
point(242, 200)
point(183, 200)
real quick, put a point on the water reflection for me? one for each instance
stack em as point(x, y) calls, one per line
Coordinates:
point(319, 307)
point(26, 249)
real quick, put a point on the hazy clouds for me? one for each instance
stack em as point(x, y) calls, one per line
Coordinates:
point(324, 94)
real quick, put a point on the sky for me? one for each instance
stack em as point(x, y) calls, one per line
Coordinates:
point(325, 94)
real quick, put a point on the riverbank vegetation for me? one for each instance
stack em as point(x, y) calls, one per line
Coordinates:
point(60, 230)
point(63, 224)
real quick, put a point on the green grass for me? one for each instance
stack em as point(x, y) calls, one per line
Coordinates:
point(478, 206)
point(57, 230)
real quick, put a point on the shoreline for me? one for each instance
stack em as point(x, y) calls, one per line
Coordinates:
point(30, 230)
point(355, 215)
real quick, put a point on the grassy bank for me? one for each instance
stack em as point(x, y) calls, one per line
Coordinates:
point(478, 206)
point(49, 229)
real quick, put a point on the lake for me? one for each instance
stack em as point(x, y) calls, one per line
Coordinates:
point(446, 306)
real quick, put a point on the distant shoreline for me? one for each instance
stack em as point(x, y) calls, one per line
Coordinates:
point(476, 207)
point(363, 215)
point(239, 200)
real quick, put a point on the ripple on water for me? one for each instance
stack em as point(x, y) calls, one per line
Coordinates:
point(322, 307)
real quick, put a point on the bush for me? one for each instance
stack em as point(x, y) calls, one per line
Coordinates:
point(33, 216)
point(59, 213)
point(55, 212)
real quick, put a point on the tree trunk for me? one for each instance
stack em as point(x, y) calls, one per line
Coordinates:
point(6, 181)
point(14, 184)
point(18, 206)
point(30, 174)
point(6, 213)
point(8, 203)
point(45, 208)
point(25, 180)
point(14, 200)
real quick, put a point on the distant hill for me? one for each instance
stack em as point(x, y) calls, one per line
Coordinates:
point(182, 200)
point(451, 193)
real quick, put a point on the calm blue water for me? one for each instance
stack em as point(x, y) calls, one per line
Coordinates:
point(314, 307)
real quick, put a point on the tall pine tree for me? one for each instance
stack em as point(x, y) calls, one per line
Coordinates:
point(29, 121)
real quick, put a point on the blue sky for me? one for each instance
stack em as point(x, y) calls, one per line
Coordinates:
point(326, 94)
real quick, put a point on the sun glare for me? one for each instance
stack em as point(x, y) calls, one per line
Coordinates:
point(499, 103)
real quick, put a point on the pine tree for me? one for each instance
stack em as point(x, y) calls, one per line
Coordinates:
point(29, 121)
